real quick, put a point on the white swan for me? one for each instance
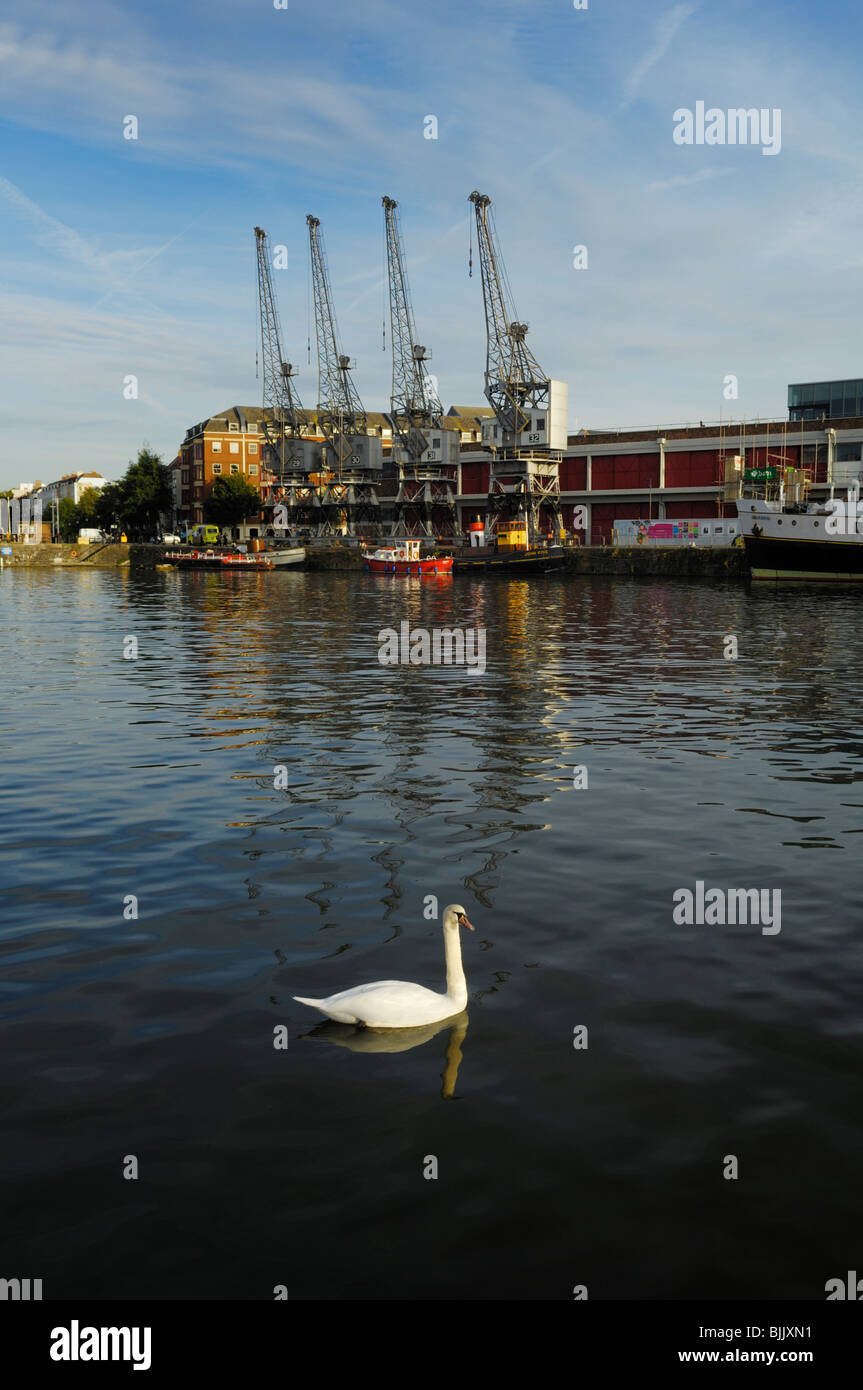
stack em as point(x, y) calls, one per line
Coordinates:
point(394, 1004)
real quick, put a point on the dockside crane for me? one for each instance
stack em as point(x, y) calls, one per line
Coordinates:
point(528, 433)
point(353, 458)
point(425, 454)
point(289, 455)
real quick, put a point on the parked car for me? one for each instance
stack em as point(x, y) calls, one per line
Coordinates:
point(170, 539)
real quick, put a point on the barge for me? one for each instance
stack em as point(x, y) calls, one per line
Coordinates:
point(234, 560)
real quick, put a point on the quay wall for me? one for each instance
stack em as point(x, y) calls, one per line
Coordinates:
point(664, 561)
point(683, 562)
point(696, 562)
point(101, 556)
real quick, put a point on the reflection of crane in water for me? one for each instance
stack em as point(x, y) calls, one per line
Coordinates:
point(477, 801)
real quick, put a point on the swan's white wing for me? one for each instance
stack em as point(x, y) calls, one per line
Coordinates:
point(385, 1004)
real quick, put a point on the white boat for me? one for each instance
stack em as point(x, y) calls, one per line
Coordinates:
point(817, 542)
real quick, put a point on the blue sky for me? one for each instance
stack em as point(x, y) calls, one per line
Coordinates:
point(126, 257)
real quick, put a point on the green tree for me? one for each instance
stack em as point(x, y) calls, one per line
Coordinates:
point(144, 494)
point(231, 500)
point(107, 509)
point(67, 519)
point(87, 507)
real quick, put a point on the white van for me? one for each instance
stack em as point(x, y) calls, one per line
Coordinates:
point(89, 535)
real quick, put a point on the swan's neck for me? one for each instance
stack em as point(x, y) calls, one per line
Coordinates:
point(456, 984)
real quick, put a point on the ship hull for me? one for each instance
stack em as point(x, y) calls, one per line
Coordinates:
point(809, 561)
point(442, 564)
point(234, 561)
point(520, 562)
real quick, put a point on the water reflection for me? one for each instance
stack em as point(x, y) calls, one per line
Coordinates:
point(391, 1040)
point(156, 778)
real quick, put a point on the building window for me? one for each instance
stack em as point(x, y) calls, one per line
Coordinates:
point(253, 446)
point(234, 427)
point(217, 468)
point(184, 476)
point(217, 446)
point(199, 450)
point(235, 448)
point(814, 453)
point(235, 468)
point(253, 469)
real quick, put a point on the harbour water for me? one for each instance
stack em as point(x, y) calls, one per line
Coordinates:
point(163, 900)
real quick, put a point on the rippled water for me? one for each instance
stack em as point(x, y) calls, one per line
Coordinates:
point(153, 1037)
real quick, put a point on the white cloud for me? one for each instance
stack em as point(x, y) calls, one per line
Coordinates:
point(675, 297)
point(664, 31)
point(682, 180)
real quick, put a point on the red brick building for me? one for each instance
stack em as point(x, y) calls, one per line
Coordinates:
point(672, 473)
point(662, 473)
point(227, 444)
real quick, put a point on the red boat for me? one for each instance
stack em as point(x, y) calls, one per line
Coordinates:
point(403, 557)
point(247, 562)
point(214, 559)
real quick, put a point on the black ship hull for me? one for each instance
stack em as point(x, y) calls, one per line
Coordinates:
point(536, 561)
point(811, 561)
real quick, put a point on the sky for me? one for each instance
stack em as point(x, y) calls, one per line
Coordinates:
point(123, 257)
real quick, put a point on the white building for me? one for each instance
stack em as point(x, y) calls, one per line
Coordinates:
point(71, 485)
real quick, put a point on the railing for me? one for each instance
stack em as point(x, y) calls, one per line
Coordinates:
point(728, 427)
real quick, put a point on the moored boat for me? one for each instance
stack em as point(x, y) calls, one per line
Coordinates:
point(403, 557)
point(234, 560)
point(536, 560)
point(194, 559)
point(237, 561)
point(801, 541)
point(511, 549)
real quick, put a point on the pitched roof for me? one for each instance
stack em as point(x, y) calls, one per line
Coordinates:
point(456, 418)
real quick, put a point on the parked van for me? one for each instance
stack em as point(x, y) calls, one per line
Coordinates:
point(89, 535)
point(205, 535)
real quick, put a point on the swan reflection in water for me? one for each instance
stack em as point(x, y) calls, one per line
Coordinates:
point(399, 1040)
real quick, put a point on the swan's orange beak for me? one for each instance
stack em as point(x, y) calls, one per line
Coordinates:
point(465, 923)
